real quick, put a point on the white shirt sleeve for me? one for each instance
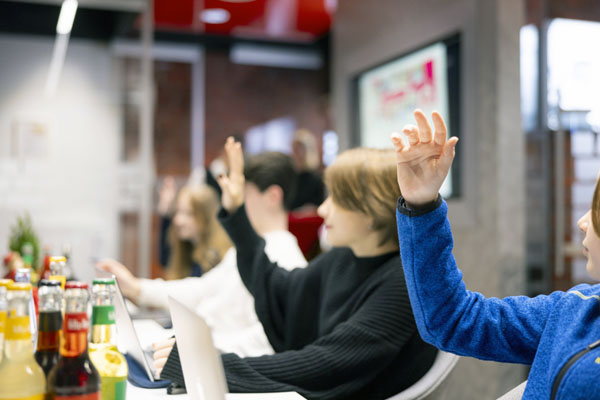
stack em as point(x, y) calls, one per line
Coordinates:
point(191, 291)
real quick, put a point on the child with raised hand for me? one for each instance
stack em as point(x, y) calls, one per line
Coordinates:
point(557, 334)
point(342, 327)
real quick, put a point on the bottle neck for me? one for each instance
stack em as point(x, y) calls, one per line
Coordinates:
point(17, 336)
point(74, 334)
point(17, 321)
point(49, 330)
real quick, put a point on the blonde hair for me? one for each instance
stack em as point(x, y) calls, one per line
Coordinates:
point(364, 180)
point(212, 241)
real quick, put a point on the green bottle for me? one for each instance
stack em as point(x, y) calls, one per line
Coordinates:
point(107, 359)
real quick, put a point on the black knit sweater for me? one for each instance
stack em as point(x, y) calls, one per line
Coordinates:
point(342, 328)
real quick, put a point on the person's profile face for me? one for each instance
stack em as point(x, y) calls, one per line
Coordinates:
point(591, 245)
point(345, 228)
point(184, 221)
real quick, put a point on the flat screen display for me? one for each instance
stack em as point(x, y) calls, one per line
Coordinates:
point(386, 96)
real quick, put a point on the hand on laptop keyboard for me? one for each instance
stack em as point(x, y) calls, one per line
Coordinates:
point(161, 353)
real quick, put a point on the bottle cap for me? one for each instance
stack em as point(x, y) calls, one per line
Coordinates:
point(58, 259)
point(76, 285)
point(48, 282)
point(103, 281)
point(23, 275)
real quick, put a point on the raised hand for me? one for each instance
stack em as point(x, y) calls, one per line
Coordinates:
point(166, 195)
point(423, 164)
point(232, 186)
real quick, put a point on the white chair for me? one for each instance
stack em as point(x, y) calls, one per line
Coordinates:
point(515, 394)
point(430, 385)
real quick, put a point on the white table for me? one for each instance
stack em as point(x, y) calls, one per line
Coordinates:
point(136, 393)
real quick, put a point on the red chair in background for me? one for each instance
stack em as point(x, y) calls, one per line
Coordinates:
point(305, 226)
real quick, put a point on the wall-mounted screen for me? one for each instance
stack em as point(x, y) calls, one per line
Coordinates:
point(386, 96)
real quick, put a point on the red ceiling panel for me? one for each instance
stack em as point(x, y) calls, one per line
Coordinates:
point(178, 13)
point(286, 20)
point(313, 17)
point(242, 14)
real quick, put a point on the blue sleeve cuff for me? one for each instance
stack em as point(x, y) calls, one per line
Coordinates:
point(403, 208)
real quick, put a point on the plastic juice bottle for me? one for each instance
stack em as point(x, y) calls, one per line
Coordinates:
point(4, 283)
point(21, 378)
point(57, 270)
point(50, 324)
point(103, 347)
point(74, 376)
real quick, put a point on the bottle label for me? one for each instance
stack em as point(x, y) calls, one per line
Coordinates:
point(17, 328)
point(34, 397)
point(89, 396)
point(2, 321)
point(76, 323)
point(114, 388)
point(103, 315)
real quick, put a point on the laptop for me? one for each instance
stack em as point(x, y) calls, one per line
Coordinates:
point(201, 362)
point(128, 340)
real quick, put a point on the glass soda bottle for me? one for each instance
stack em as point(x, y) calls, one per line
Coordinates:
point(23, 275)
point(50, 324)
point(4, 283)
point(45, 274)
point(58, 267)
point(74, 377)
point(103, 347)
point(21, 378)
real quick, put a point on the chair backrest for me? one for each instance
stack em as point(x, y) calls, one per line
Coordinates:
point(429, 386)
point(516, 393)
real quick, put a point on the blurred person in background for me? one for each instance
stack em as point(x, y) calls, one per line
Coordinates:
point(310, 191)
point(191, 239)
point(219, 296)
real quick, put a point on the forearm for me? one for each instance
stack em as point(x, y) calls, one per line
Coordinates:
point(155, 292)
point(252, 261)
point(451, 317)
point(336, 370)
point(152, 294)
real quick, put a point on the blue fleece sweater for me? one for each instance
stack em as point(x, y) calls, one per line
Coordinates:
point(546, 332)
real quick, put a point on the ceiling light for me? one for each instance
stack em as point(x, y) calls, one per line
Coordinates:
point(66, 17)
point(275, 56)
point(214, 16)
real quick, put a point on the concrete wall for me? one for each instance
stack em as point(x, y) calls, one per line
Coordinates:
point(488, 221)
point(70, 190)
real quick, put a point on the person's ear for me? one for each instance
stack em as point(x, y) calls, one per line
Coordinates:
point(275, 195)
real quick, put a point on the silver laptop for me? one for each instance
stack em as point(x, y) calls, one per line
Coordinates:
point(127, 337)
point(201, 362)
